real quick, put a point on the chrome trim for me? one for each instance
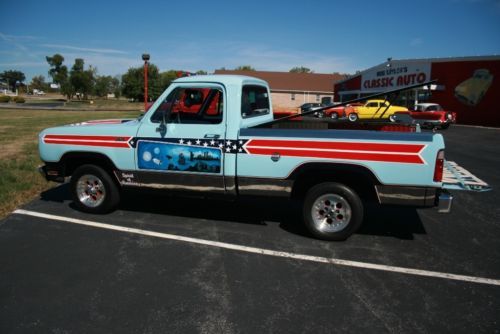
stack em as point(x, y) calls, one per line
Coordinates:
point(253, 186)
point(444, 202)
point(401, 195)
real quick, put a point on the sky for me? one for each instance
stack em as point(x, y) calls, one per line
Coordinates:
point(325, 36)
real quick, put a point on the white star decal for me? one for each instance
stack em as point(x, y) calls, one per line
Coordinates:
point(189, 142)
point(235, 147)
point(228, 143)
point(198, 142)
point(205, 144)
point(228, 149)
point(240, 150)
point(212, 142)
point(241, 142)
point(221, 145)
point(181, 141)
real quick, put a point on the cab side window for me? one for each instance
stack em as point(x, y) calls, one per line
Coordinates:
point(193, 105)
point(254, 101)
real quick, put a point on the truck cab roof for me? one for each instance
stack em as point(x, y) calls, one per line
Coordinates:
point(224, 79)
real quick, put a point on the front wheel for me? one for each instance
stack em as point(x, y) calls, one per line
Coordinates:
point(392, 118)
point(353, 117)
point(93, 190)
point(332, 211)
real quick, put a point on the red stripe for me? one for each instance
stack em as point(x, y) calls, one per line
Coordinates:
point(400, 148)
point(86, 143)
point(382, 157)
point(80, 137)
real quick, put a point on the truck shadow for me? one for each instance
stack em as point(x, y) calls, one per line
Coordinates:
point(397, 222)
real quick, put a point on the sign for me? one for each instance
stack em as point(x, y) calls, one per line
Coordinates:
point(397, 75)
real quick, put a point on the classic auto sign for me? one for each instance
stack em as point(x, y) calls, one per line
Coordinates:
point(395, 75)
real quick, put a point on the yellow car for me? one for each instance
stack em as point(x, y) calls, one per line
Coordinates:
point(375, 109)
point(472, 90)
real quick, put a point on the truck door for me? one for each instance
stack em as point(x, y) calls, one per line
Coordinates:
point(179, 145)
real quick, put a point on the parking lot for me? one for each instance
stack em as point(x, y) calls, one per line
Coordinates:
point(164, 264)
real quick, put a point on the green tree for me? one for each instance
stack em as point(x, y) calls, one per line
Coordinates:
point(301, 69)
point(201, 72)
point(13, 78)
point(244, 68)
point(58, 72)
point(81, 80)
point(38, 82)
point(133, 83)
point(105, 85)
point(167, 77)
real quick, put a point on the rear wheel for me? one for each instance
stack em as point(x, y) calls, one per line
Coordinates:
point(334, 115)
point(353, 117)
point(93, 190)
point(392, 118)
point(332, 211)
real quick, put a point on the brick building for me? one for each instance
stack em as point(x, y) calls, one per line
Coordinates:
point(290, 90)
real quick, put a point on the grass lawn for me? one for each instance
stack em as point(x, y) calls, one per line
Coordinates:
point(20, 182)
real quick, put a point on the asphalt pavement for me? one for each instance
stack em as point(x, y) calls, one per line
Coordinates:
point(162, 264)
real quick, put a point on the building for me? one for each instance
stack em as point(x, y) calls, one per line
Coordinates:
point(467, 85)
point(290, 90)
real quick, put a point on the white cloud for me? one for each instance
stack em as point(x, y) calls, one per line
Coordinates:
point(77, 48)
point(417, 41)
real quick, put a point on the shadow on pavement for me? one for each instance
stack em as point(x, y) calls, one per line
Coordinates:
point(397, 222)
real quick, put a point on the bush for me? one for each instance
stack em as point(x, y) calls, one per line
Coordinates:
point(4, 98)
point(19, 99)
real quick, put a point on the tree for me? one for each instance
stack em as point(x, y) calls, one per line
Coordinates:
point(301, 69)
point(13, 78)
point(82, 81)
point(244, 68)
point(133, 83)
point(105, 85)
point(58, 72)
point(38, 82)
point(167, 78)
point(201, 72)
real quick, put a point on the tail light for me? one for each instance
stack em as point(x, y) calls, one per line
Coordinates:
point(438, 169)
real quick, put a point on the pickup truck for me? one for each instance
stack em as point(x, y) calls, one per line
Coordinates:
point(225, 142)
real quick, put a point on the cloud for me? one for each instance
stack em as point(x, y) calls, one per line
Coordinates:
point(13, 40)
point(417, 41)
point(77, 48)
point(24, 64)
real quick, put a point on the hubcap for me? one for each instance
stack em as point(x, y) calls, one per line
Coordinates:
point(334, 115)
point(331, 213)
point(90, 190)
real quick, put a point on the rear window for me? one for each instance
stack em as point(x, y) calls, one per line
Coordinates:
point(254, 101)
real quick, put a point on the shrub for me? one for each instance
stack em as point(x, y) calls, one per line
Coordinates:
point(19, 99)
point(4, 98)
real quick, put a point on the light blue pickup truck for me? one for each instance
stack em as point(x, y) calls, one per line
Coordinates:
point(215, 135)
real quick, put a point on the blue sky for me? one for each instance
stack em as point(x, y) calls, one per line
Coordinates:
point(326, 36)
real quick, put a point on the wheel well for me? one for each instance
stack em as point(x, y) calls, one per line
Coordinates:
point(71, 161)
point(359, 178)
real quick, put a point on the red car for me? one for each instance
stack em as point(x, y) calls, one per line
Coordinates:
point(338, 112)
point(433, 115)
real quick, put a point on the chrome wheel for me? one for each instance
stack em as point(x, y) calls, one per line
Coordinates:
point(331, 213)
point(353, 117)
point(334, 115)
point(90, 190)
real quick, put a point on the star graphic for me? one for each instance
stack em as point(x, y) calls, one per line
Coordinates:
point(198, 142)
point(241, 142)
point(205, 144)
point(221, 145)
point(228, 149)
point(212, 142)
point(189, 142)
point(228, 143)
point(181, 141)
point(235, 147)
point(240, 150)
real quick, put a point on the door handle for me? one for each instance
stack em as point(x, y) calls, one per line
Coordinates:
point(211, 136)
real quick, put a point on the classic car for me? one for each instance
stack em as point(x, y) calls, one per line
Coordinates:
point(433, 115)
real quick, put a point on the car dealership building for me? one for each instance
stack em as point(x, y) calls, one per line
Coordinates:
point(469, 86)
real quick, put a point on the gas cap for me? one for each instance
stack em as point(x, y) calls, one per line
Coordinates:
point(275, 157)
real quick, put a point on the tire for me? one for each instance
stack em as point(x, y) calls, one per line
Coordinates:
point(334, 116)
point(93, 190)
point(353, 117)
point(445, 126)
point(332, 211)
point(321, 114)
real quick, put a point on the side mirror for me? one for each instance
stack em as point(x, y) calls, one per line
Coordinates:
point(162, 129)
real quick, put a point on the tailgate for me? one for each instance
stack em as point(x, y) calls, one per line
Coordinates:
point(456, 177)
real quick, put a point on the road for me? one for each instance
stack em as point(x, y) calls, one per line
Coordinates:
point(162, 264)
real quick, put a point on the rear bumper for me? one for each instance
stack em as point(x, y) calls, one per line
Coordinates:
point(415, 196)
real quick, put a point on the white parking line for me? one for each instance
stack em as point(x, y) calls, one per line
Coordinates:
point(262, 251)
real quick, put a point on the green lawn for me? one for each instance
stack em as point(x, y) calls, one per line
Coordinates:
point(19, 181)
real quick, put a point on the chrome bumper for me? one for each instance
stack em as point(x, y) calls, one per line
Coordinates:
point(445, 200)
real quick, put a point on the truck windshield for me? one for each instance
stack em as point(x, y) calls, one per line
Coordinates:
point(254, 101)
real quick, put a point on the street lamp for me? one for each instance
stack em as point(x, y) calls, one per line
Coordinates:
point(145, 57)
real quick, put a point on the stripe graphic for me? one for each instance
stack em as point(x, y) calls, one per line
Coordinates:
point(102, 141)
point(401, 153)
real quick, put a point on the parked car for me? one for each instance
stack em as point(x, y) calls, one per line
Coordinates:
point(375, 109)
point(433, 115)
point(309, 106)
point(472, 90)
